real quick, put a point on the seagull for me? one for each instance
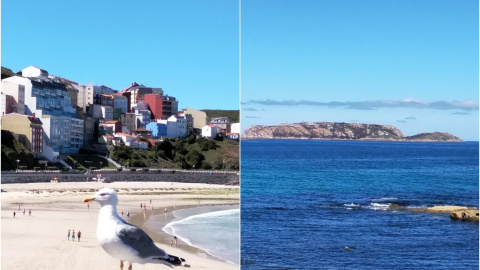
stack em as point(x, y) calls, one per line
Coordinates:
point(125, 241)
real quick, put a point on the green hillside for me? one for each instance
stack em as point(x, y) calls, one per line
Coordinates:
point(13, 150)
point(6, 72)
point(233, 115)
point(198, 153)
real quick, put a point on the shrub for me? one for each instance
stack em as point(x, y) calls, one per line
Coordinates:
point(206, 165)
point(219, 138)
point(205, 144)
point(195, 158)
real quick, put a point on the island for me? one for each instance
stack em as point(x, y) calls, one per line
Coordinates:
point(341, 131)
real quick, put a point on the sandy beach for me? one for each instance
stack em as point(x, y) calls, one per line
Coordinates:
point(39, 240)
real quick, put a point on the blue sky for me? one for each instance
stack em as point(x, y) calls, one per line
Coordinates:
point(412, 64)
point(189, 48)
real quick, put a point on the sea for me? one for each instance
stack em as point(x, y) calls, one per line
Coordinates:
point(213, 229)
point(304, 201)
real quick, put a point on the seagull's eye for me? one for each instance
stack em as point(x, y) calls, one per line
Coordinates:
point(103, 194)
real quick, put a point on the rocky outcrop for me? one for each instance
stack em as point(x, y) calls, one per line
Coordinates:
point(339, 131)
point(469, 215)
point(434, 136)
point(456, 212)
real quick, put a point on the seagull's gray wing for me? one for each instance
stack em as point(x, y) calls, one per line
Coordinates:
point(137, 239)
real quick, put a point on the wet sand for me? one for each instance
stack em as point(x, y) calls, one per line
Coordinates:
point(40, 241)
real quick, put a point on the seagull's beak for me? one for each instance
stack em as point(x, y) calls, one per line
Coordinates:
point(88, 199)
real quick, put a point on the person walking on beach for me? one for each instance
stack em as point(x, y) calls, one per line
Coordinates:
point(29, 212)
point(24, 211)
point(141, 205)
point(73, 235)
point(88, 206)
point(14, 214)
point(128, 213)
point(175, 239)
point(79, 234)
point(68, 235)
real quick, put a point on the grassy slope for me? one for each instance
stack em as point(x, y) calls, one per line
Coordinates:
point(227, 152)
point(233, 115)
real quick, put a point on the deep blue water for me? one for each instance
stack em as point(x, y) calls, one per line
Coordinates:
point(303, 201)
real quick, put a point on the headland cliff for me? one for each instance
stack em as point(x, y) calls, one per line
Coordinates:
point(341, 131)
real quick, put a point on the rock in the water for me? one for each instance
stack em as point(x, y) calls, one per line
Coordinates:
point(396, 207)
point(470, 215)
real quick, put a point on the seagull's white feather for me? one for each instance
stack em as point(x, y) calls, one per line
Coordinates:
point(125, 241)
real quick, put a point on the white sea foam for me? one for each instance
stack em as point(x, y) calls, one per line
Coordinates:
point(379, 206)
point(218, 233)
point(385, 199)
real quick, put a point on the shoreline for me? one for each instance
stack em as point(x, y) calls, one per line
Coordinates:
point(348, 140)
point(160, 236)
point(39, 241)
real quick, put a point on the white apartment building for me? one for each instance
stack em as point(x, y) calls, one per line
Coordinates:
point(235, 128)
point(176, 126)
point(16, 89)
point(189, 122)
point(49, 101)
point(142, 118)
point(209, 131)
point(100, 112)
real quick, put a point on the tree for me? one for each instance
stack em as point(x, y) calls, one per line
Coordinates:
point(206, 165)
point(167, 148)
point(195, 158)
point(180, 147)
point(191, 139)
point(205, 144)
point(121, 154)
point(180, 161)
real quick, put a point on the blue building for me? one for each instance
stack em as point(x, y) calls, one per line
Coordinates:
point(158, 129)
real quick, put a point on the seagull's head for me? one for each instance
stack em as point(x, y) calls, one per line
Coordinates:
point(105, 196)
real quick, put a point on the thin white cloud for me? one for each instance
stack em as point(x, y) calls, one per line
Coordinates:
point(466, 105)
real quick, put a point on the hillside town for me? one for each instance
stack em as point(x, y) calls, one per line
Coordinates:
point(54, 116)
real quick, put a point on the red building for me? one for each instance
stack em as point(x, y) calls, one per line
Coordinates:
point(155, 104)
